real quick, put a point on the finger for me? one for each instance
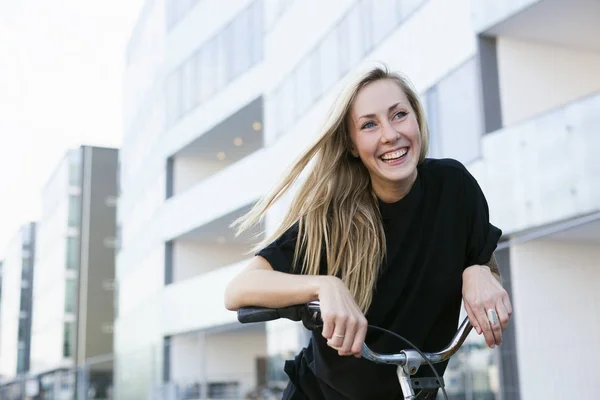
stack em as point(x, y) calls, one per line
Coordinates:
point(472, 318)
point(494, 319)
point(351, 326)
point(328, 326)
point(486, 328)
point(359, 337)
point(508, 305)
point(503, 315)
point(337, 339)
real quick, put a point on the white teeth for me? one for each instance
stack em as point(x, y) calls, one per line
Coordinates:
point(395, 154)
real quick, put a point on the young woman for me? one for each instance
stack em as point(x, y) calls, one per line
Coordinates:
point(377, 232)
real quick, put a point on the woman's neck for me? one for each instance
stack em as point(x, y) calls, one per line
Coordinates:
point(397, 191)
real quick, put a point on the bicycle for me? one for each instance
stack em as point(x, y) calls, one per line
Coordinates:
point(409, 361)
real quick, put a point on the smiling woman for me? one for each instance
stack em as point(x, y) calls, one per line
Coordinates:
point(376, 232)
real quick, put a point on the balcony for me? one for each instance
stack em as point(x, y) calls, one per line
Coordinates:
point(570, 24)
point(545, 169)
point(197, 303)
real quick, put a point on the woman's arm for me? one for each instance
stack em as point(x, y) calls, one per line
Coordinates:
point(344, 325)
point(482, 292)
point(259, 285)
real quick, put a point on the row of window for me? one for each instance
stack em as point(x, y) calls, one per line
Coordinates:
point(224, 57)
point(176, 10)
point(366, 24)
point(455, 127)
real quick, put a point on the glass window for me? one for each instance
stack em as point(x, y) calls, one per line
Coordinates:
point(431, 111)
point(173, 97)
point(211, 65)
point(287, 103)
point(241, 43)
point(407, 7)
point(187, 86)
point(355, 40)
point(197, 71)
point(68, 340)
point(385, 19)
point(315, 72)
point(365, 9)
point(256, 32)
point(72, 253)
point(304, 95)
point(225, 58)
point(330, 68)
point(460, 122)
point(74, 174)
point(74, 211)
point(223, 390)
point(70, 295)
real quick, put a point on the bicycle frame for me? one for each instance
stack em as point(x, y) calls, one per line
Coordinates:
point(408, 361)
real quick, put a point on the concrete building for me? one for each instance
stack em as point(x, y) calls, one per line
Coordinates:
point(73, 312)
point(15, 312)
point(221, 96)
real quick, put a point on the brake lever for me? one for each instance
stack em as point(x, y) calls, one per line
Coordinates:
point(311, 319)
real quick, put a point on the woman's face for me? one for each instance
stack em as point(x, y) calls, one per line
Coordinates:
point(385, 135)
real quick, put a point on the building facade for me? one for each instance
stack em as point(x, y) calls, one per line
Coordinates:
point(15, 311)
point(221, 97)
point(73, 292)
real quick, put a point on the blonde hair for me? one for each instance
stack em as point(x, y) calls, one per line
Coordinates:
point(335, 207)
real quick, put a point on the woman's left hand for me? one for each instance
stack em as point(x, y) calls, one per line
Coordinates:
point(486, 302)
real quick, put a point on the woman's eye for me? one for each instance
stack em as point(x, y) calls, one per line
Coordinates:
point(400, 115)
point(368, 125)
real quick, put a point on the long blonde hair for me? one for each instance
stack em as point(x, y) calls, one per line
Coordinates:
point(335, 207)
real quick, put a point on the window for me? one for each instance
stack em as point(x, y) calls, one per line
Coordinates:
point(74, 211)
point(460, 122)
point(68, 339)
point(187, 86)
point(241, 44)
point(72, 253)
point(21, 367)
point(230, 53)
point(70, 291)
point(287, 104)
point(385, 19)
point(431, 112)
point(256, 32)
point(365, 9)
point(224, 58)
point(315, 72)
point(223, 390)
point(355, 42)
point(75, 168)
point(407, 7)
point(198, 78)
point(304, 94)
point(210, 67)
point(173, 99)
point(330, 68)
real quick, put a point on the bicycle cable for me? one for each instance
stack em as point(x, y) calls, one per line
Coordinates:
point(418, 351)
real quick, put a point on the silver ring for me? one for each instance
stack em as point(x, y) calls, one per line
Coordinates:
point(492, 316)
point(340, 336)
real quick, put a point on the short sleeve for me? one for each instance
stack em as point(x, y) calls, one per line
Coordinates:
point(482, 237)
point(280, 253)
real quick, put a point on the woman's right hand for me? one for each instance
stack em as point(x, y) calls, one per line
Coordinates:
point(344, 325)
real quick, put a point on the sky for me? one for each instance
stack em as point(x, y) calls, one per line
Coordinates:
point(61, 70)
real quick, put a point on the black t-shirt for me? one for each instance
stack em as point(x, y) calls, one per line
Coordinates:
point(432, 234)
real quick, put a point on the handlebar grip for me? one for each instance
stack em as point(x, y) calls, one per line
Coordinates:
point(247, 315)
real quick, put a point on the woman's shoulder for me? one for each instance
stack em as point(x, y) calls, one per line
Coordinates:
point(447, 168)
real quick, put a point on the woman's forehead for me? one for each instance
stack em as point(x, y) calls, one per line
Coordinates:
point(377, 97)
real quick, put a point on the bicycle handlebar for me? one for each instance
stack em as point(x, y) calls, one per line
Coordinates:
point(310, 315)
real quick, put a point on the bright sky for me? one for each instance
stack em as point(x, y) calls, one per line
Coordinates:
point(61, 68)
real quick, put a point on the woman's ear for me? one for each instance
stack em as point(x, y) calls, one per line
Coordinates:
point(353, 151)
